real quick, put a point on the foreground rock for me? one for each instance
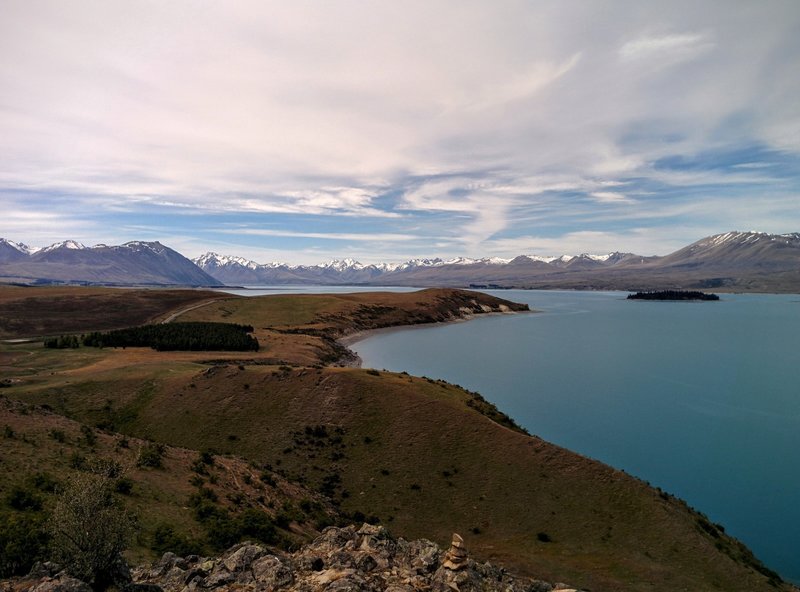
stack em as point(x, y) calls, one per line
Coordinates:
point(341, 560)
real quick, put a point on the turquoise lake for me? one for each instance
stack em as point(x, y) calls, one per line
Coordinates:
point(701, 399)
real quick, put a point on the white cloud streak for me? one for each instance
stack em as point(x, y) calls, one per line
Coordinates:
point(323, 108)
point(337, 236)
point(674, 47)
point(609, 196)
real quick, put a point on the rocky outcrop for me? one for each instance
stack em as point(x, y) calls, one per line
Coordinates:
point(345, 559)
point(339, 560)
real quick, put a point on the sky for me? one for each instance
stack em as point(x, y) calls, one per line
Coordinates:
point(383, 131)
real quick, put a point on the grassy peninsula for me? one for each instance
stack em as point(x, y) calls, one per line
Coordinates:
point(285, 433)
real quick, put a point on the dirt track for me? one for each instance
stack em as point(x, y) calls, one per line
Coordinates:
point(175, 315)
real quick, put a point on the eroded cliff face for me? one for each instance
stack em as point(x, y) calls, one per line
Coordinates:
point(340, 559)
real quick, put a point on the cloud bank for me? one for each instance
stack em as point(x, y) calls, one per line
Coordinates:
point(466, 128)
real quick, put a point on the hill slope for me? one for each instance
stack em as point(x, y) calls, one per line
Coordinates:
point(418, 456)
point(42, 451)
point(424, 457)
point(37, 311)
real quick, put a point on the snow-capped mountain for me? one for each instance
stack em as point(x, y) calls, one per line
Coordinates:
point(239, 270)
point(11, 251)
point(222, 265)
point(135, 262)
point(215, 260)
point(343, 265)
point(751, 261)
point(729, 259)
point(67, 244)
point(739, 248)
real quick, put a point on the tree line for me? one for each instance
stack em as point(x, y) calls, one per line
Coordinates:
point(195, 336)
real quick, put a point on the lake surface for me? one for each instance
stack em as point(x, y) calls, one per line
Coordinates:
point(699, 398)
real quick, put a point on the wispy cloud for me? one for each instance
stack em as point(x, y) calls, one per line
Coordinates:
point(635, 240)
point(328, 236)
point(609, 196)
point(524, 85)
point(672, 47)
point(453, 127)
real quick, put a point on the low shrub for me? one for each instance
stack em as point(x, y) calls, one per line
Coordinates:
point(23, 541)
point(23, 499)
point(165, 538)
point(90, 554)
point(151, 455)
point(124, 485)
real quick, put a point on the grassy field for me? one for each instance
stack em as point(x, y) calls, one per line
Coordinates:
point(424, 457)
point(36, 312)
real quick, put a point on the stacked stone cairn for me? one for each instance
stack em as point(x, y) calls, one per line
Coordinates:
point(456, 556)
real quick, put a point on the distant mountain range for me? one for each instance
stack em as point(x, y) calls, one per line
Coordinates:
point(747, 261)
point(740, 261)
point(134, 263)
point(237, 270)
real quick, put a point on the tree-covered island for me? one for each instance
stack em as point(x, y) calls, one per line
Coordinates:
point(672, 295)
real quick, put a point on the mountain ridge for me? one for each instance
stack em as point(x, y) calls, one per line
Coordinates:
point(135, 262)
point(211, 257)
point(748, 261)
point(734, 261)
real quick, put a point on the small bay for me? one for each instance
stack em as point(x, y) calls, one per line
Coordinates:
point(701, 399)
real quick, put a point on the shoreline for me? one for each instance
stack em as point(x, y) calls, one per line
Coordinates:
point(355, 361)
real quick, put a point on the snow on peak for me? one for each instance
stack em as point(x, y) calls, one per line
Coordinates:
point(384, 267)
point(213, 259)
point(67, 244)
point(540, 258)
point(21, 247)
point(148, 245)
point(734, 237)
point(721, 239)
point(484, 260)
point(460, 261)
point(343, 264)
point(495, 261)
point(412, 263)
point(155, 246)
point(206, 258)
point(600, 258)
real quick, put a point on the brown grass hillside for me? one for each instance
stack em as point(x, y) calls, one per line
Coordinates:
point(34, 312)
point(415, 455)
point(41, 451)
point(422, 456)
